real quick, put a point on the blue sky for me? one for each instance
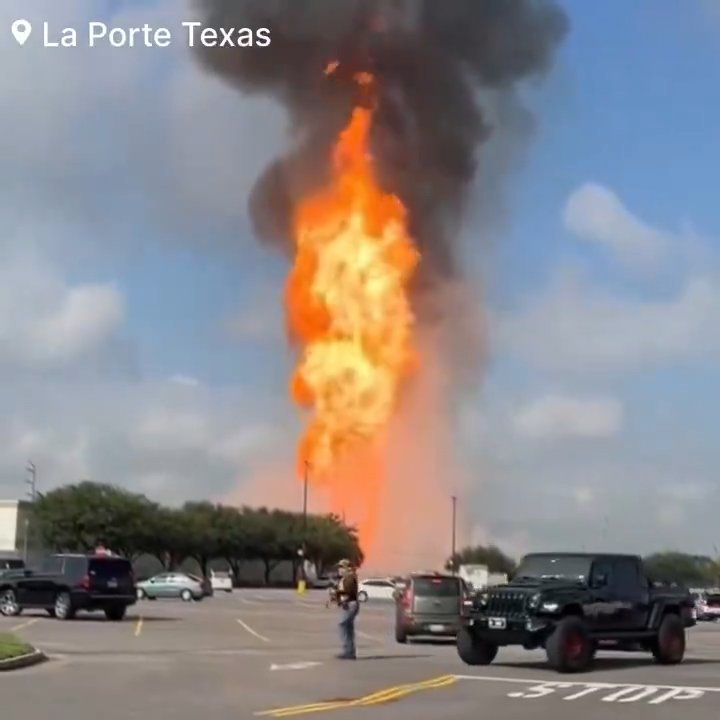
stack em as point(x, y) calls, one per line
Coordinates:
point(124, 203)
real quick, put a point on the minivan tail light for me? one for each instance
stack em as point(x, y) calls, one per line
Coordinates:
point(407, 598)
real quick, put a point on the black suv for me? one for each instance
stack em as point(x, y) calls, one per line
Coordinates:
point(68, 583)
point(574, 604)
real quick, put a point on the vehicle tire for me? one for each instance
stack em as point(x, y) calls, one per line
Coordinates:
point(362, 596)
point(400, 635)
point(569, 649)
point(473, 651)
point(9, 605)
point(668, 648)
point(186, 596)
point(63, 607)
point(141, 594)
point(115, 613)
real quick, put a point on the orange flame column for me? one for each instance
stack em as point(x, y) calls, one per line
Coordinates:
point(347, 305)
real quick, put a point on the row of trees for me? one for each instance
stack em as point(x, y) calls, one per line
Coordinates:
point(692, 570)
point(76, 518)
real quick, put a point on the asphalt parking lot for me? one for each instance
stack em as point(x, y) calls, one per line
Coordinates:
point(270, 654)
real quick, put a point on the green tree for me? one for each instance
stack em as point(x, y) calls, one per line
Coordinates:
point(329, 541)
point(692, 570)
point(492, 556)
point(76, 518)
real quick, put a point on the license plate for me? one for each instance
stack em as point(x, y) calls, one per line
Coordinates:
point(112, 583)
point(437, 628)
point(497, 623)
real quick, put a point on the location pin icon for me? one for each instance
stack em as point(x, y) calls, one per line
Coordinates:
point(21, 30)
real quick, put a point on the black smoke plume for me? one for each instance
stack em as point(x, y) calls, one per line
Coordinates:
point(431, 59)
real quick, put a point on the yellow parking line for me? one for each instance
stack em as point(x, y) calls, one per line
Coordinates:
point(24, 625)
point(401, 693)
point(376, 698)
point(139, 626)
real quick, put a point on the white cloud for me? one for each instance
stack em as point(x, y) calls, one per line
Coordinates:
point(561, 416)
point(595, 213)
point(185, 380)
point(151, 437)
point(46, 323)
point(575, 326)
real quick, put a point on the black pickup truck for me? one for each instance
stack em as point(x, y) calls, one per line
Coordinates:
point(573, 605)
point(67, 583)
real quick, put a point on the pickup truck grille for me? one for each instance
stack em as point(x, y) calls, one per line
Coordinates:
point(506, 604)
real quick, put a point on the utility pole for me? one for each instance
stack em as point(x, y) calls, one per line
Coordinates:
point(454, 525)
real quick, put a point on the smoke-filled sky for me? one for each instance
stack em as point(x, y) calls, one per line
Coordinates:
point(141, 334)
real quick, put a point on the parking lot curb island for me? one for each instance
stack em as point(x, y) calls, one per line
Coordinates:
point(23, 661)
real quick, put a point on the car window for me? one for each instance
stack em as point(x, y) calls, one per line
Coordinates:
point(625, 574)
point(52, 565)
point(601, 568)
point(75, 568)
point(436, 587)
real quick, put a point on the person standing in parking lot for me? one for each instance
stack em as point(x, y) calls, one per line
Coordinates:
point(347, 600)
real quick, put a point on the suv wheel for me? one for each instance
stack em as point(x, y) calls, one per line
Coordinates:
point(63, 607)
point(9, 605)
point(569, 648)
point(115, 613)
point(668, 648)
point(473, 651)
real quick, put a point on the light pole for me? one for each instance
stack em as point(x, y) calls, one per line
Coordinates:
point(302, 582)
point(32, 480)
point(32, 483)
point(454, 524)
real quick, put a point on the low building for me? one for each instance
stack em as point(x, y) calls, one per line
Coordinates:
point(14, 526)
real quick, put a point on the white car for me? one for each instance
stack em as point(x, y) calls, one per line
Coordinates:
point(376, 589)
point(221, 581)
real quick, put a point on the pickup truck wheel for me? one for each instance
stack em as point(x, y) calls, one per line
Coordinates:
point(473, 651)
point(569, 649)
point(9, 605)
point(63, 607)
point(668, 648)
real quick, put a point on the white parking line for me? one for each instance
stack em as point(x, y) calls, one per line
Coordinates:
point(253, 632)
point(24, 625)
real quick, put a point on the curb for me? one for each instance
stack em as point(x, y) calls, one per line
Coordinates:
point(23, 661)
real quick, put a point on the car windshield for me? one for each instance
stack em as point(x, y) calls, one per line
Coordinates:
point(553, 567)
point(11, 564)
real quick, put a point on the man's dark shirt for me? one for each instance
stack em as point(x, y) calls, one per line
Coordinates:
point(348, 588)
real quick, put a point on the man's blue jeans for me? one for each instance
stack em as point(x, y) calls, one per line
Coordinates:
point(347, 628)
